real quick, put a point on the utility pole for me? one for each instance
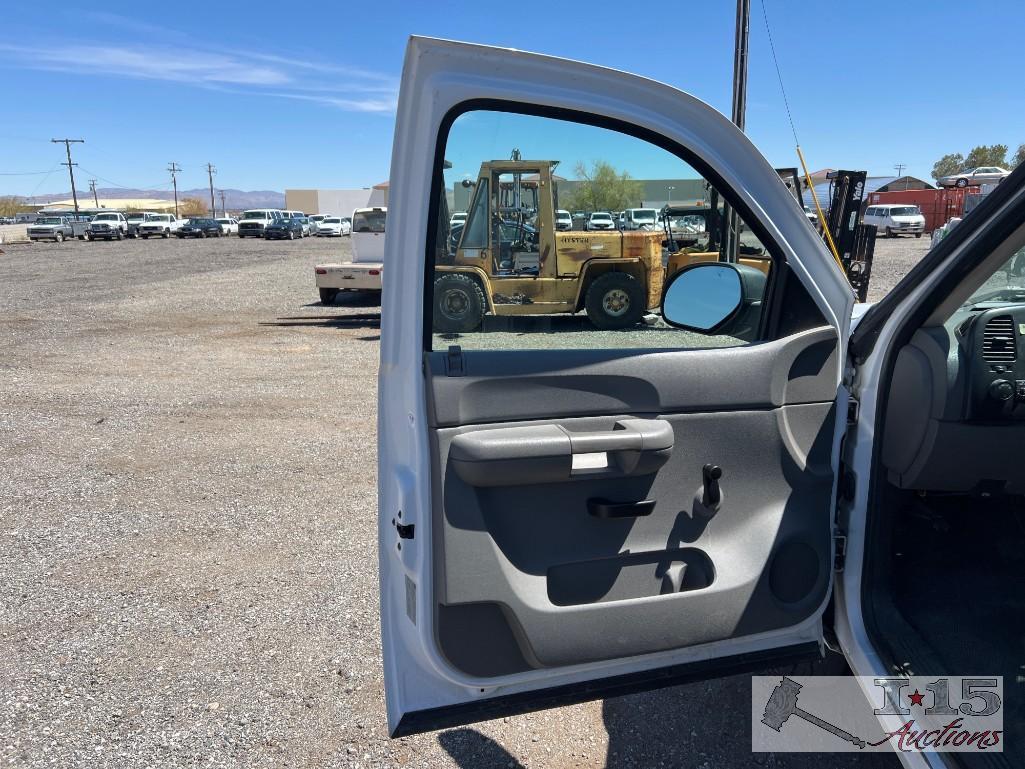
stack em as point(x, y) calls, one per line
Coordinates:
point(900, 167)
point(174, 168)
point(224, 210)
point(67, 146)
point(92, 186)
point(731, 241)
point(670, 189)
point(210, 171)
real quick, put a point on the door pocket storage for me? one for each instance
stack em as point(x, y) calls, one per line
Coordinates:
point(629, 575)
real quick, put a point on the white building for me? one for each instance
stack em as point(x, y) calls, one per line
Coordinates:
point(339, 202)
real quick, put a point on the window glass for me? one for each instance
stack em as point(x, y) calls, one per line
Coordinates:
point(510, 279)
point(368, 221)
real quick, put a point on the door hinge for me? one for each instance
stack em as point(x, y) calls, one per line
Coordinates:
point(839, 551)
point(405, 530)
point(853, 409)
point(454, 361)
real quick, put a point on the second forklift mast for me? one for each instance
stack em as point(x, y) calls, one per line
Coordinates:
point(855, 243)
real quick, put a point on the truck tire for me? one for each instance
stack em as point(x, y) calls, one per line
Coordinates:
point(88, 236)
point(327, 295)
point(615, 300)
point(167, 233)
point(119, 235)
point(458, 304)
point(59, 237)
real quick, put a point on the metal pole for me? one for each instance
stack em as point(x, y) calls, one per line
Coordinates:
point(731, 240)
point(900, 167)
point(92, 186)
point(174, 168)
point(210, 171)
point(67, 146)
point(224, 210)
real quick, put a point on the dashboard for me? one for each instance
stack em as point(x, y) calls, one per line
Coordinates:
point(955, 419)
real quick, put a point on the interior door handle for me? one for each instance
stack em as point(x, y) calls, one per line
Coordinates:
point(533, 454)
point(603, 508)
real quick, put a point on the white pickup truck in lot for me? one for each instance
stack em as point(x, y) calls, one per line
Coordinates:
point(158, 226)
point(364, 273)
point(110, 225)
point(567, 513)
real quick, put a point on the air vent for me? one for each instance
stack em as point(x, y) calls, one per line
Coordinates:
point(998, 343)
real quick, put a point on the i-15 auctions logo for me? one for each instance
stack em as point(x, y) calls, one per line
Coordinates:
point(848, 713)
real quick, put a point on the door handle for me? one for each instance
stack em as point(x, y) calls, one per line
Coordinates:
point(603, 508)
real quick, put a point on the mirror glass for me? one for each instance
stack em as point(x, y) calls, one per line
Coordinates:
point(702, 297)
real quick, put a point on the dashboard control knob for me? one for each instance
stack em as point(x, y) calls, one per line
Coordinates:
point(1001, 390)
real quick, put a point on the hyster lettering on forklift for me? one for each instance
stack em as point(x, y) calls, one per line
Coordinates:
point(502, 265)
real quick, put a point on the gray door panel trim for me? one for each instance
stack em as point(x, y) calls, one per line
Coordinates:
point(508, 385)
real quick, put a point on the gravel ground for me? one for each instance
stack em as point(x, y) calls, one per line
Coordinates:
point(187, 527)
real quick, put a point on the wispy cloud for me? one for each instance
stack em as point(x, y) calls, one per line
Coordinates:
point(259, 73)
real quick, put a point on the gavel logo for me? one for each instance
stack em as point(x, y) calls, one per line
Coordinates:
point(782, 704)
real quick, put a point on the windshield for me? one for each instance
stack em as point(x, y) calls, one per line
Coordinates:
point(602, 217)
point(332, 221)
point(105, 218)
point(691, 223)
point(905, 211)
point(643, 215)
point(368, 221)
point(255, 215)
point(1006, 284)
point(49, 220)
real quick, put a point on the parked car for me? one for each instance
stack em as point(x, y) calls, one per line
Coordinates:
point(136, 218)
point(285, 227)
point(600, 220)
point(639, 219)
point(896, 219)
point(563, 220)
point(307, 225)
point(55, 228)
point(200, 227)
point(229, 225)
point(109, 226)
point(975, 177)
point(459, 217)
point(333, 227)
point(253, 222)
point(315, 221)
point(158, 225)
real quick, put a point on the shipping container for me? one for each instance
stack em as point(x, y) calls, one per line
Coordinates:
point(937, 206)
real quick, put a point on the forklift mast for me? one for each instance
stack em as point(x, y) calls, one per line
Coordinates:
point(855, 243)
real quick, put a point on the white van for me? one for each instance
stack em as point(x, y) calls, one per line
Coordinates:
point(639, 219)
point(364, 272)
point(895, 219)
point(253, 221)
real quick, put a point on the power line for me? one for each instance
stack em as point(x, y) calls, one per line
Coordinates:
point(25, 173)
point(779, 75)
point(67, 146)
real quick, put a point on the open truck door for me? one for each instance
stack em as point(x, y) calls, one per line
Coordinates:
point(568, 513)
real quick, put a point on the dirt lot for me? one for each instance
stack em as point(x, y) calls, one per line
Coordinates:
point(187, 528)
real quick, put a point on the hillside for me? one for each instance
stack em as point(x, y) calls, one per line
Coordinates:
point(235, 200)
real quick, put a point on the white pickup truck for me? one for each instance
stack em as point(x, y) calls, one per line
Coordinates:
point(158, 225)
point(109, 226)
point(364, 272)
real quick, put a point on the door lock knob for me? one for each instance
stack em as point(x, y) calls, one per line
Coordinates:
point(711, 496)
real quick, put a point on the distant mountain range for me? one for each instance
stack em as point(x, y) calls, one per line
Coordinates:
point(235, 200)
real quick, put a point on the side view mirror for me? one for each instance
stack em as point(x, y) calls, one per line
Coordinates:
point(714, 298)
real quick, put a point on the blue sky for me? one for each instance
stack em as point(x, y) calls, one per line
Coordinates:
point(278, 98)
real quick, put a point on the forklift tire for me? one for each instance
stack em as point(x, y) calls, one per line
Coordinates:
point(615, 300)
point(327, 295)
point(458, 304)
